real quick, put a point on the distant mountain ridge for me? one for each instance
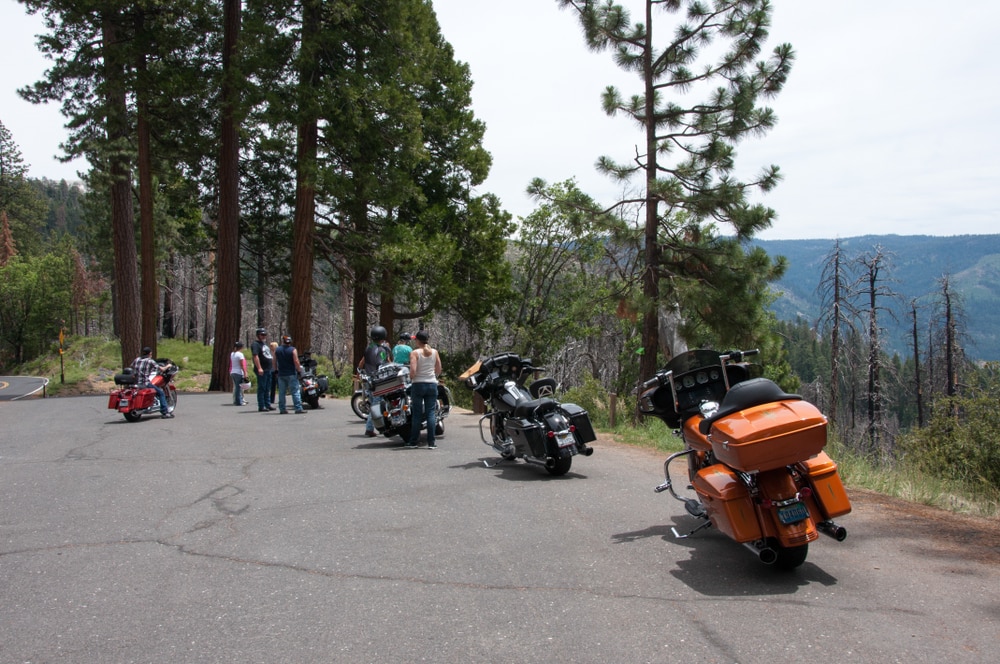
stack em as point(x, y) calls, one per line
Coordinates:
point(918, 262)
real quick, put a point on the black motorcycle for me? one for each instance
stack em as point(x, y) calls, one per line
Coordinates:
point(528, 423)
point(394, 414)
point(312, 387)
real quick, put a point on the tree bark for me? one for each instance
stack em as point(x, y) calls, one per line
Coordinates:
point(228, 310)
point(126, 287)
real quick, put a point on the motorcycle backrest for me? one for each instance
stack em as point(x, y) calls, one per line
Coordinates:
point(747, 394)
point(543, 387)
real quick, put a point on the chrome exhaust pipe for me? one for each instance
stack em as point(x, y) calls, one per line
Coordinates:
point(830, 529)
point(766, 554)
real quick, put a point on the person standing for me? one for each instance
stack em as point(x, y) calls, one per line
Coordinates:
point(401, 351)
point(238, 372)
point(145, 367)
point(273, 397)
point(425, 367)
point(376, 354)
point(289, 369)
point(262, 361)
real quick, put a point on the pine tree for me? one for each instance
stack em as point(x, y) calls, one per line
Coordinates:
point(688, 156)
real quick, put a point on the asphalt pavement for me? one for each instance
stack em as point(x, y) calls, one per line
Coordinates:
point(228, 535)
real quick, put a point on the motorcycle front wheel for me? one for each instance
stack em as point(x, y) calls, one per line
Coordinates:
point(171, 396)
point(359, 405)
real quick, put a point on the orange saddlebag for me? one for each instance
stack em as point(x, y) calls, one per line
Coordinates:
point(769, 436)
point(728, 503)
point(827, 488)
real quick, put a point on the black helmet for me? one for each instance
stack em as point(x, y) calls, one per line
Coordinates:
point(260, 330)
point(286, 340)
point(378, 333)
point(404, 336)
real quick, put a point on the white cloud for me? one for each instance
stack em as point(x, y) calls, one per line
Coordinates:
point(886, 125)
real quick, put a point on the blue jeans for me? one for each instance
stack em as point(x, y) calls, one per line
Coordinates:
point(423, 403)
point(161, 396)
point(263, 389)
point(376, 402)
point(289, 384)
point(237, 390)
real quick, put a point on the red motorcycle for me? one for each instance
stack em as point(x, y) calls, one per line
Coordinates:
point(134, 402)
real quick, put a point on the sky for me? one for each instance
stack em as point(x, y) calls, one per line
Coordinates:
point(889, 122)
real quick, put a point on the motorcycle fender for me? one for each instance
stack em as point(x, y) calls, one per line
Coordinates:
point(728, 503)
point(694, 437)
point(779, 485)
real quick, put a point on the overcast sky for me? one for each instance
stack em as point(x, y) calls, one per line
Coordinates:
point(888, 123)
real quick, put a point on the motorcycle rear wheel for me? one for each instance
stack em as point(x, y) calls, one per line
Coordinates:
point(360, 406)
point(561, 466)
point(132, 416)
point(789, 557)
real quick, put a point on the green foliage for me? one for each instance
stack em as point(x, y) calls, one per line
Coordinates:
point(961, 442)
point(35, 295)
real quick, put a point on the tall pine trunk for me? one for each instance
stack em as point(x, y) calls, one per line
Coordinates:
point(126, 286)
point(300, 300)
point(228, 309)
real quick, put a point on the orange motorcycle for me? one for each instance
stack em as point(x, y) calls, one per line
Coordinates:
point(754, 455)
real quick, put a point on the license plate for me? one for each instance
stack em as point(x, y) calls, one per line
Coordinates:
point(123, 403)
point(565, 439)
point(793, 513)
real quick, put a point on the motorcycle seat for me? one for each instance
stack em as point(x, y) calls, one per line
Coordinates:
point(526, 408)
point(747, 394)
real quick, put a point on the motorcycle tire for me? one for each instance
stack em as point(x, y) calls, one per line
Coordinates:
point(360, 406)
point(439, 428)
point(561, 466)
point(171, 396)
point(313, 402)
point(132, 416)
point(789, 557)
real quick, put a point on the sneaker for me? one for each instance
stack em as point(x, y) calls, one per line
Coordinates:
point(270, 408)
point(243, 403)
point(282, 412)
point(432, 446)
point(410, 446)
point(166, 416)
point(301, 412)
point(370, 434)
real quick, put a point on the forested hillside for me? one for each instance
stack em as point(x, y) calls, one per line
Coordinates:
point(914, 270)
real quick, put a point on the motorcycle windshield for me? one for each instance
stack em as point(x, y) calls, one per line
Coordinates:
point(691, 360)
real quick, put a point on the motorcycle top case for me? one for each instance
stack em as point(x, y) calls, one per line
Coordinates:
point(389, 378)
point(768, 436)
point(580, 419)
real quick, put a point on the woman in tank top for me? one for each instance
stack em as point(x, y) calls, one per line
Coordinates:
point(425, 367)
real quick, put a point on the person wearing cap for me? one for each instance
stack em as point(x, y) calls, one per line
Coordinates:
point(238, 372)
point(289, 369)
point(401, 351)
point(145, 367)
point(425, 367)
point(262, 363)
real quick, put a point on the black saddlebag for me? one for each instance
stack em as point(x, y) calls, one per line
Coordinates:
point(578, 417)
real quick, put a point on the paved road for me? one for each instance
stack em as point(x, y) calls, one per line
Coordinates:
point(13, 388)
point(227, 535)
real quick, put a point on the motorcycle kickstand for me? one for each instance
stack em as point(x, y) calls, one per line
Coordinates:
point(703, 525)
